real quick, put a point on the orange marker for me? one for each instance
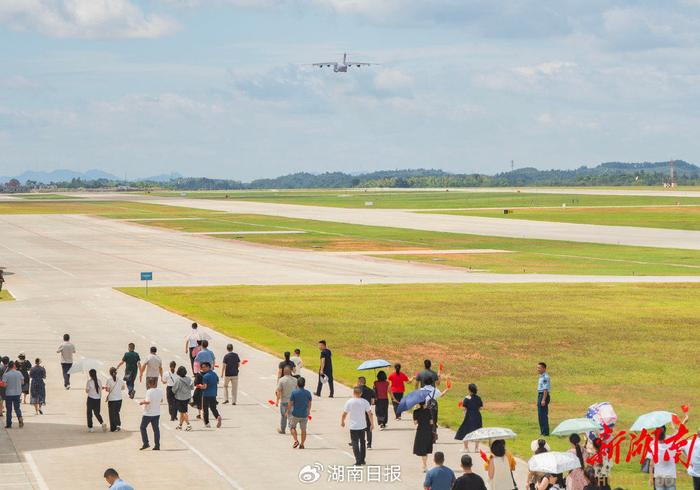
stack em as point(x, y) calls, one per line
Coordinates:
point(271, 402)
point(244, 361)
point(459, 404)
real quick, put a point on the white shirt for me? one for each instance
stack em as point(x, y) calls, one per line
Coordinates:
point(298, 364)
point(153, 365)
point(665, 468)
point(114, 389)
point(193, 338)
point(694, 467)
point(66, 349)
point(356, 408)
point(154, 396)
point(431, 392)
point(169, 378)
point(91, 390)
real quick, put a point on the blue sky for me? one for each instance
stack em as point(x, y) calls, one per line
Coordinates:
point(219, 88)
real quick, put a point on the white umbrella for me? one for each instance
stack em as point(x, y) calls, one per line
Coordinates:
point(553, 462)
point(489, 434)
point(84, 365)
point(576, 426)
point(652, 420)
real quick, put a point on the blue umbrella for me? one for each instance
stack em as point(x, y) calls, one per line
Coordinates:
point(412, 399)
point(373, 364)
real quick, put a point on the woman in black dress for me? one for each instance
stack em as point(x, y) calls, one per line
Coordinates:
point(471, 405)
point(423, 443)
point(37, 375)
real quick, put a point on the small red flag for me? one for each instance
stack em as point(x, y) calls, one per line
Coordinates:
point(271, 402)
point(244, 361)
point(483, 456)
point(684, 408)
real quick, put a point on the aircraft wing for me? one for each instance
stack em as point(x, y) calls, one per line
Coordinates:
point(328, 63)
point(359, 63)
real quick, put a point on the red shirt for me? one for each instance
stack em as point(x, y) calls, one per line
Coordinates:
point(397, 382)
point(381, 389)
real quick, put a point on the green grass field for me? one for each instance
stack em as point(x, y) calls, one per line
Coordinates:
point(529, 256)
point(683, 218)
point(632, 345)
point(109, 209)
point(40, 196)
point(432, 199)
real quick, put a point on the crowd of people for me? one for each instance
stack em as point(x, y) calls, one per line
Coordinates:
point(367, 409)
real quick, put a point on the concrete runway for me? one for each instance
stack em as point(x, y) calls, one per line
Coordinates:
point(61, 269)
point(615, 235)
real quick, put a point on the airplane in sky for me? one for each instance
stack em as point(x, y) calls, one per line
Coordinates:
point(342, 66)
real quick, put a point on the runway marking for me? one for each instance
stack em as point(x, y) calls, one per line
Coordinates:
point(38, 260)
point(35, 471)
point(209, 463)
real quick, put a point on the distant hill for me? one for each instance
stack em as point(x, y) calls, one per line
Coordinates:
point(60, 175)
point(608, 174)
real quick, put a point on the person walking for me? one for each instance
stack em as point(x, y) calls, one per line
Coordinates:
point(439, 477)
point(153, 367)
point(12, 382)
point(381, 408)
point(427, 374)
point(4, 367)
point(94, 399)
point(114, 388)
point(205, 355)
point(500, 467)
point(544, 389)
point(285, 386)
point(182, 391)
point(576, 480)
point(191, 343)
point(23, 366)
point(359, 411)
point(169, 382)
point(423, 440)
point(132, 362)
point(210, 382)
point(115, 482)
point(471, 406)
point(469, 480)
point(151, 414)
point(398, 380)
point(299, 407)
point(229, 371)
point(298, 363)
point(325, 371)
point(287, 361)
point(693, 457)
point(369, 395)
point(67, 350)
point(538, 446)
point(37, 377)
point(662, 473)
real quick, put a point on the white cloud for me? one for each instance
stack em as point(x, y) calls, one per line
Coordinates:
point(163, 103)
point(84, 19)
point(392, 79)
point(548, 69)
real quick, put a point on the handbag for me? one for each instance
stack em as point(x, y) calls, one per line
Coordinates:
point(515, 485)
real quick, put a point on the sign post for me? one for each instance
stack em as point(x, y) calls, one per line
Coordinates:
point(147, 276)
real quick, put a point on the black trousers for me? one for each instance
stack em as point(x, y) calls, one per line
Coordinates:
point(696, 483)
point(113, 408)
point(369, 433)
point(93, 407)
point(358, 445)
point(65, 367)
point(172, 403)
point(382, 410)
point(320, 384)
point(395, 404)
point(209, 403)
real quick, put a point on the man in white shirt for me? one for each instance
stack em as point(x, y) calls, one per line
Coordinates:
point(151, 414)
point(153, 367)
point(191, 342)
point(66, 349)
point(358, 410)
point(662, 473)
